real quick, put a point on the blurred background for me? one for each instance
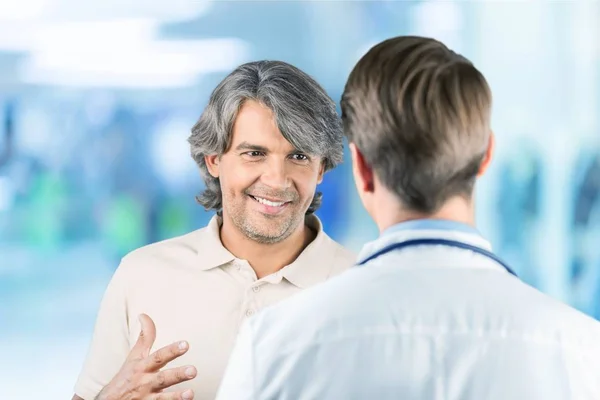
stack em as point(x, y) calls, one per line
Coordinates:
point(97, 100)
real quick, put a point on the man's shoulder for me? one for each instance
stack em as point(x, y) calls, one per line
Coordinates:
point(186, 243)
point(343, 257)
point(507, 306)
point(358, 297)
point(174, 249)
point(544, 312)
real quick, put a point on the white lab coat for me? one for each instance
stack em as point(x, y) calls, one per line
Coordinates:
point(429, 322)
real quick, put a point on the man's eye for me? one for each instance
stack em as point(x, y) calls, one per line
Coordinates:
point(300, 157)
point(254, 153)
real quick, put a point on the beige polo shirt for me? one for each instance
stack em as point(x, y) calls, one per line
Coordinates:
point(195, 290)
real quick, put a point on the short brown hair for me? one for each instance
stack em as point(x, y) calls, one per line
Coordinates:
point(420, 114)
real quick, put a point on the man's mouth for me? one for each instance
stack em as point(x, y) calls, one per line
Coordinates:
point(267, 202)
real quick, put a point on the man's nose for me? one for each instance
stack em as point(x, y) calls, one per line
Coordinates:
point(276, 175)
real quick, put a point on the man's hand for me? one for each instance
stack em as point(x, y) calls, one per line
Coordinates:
point(140, 377)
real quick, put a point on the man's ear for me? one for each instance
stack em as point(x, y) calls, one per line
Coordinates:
point(489, 153)
point(363, 172)
point(212, 163)
point(321, 172)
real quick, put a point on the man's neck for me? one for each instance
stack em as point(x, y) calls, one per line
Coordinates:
point(266, 259)
point(456, 209)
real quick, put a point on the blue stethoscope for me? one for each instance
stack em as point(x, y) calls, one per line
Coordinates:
point(438, 242)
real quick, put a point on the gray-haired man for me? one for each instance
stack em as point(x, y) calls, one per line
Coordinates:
point(263, 143)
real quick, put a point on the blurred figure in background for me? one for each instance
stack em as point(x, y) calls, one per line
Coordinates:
point(585, 264)
point(431, 312)
point(263, 143)
point(519, 207)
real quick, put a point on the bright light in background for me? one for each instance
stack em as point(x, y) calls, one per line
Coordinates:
point(42, 11)
point(21, 9)
point(147, 64)
point(98, 36)
point(164, 11)
point(176, 57)
point(31, 36)
point(17, 36)
point(23, 23)
point(112, 44)
point(87, 79)
point(124, 53)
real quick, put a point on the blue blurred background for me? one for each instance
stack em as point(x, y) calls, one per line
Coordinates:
point(97, 100)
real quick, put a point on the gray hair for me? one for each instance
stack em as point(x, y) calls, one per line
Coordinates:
point(304, 113)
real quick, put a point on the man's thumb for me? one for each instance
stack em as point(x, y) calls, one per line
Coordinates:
point(147, 336)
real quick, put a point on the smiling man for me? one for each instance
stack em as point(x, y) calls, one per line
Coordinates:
point(263, 143)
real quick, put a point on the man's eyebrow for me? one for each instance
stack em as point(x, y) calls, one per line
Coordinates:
point(250, 146)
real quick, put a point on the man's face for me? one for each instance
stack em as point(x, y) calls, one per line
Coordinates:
point(267, 184)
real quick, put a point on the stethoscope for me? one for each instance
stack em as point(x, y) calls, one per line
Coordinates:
point(438, 242)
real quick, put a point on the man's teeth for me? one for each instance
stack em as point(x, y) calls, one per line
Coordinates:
point(269, 203)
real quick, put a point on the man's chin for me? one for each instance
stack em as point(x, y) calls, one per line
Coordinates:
point(264, 237)
point(260, 231)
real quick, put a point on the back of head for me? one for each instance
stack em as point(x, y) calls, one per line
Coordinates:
point(420, 115)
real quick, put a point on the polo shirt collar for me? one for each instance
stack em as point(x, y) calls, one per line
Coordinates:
point(211, 252)
point(312, 266)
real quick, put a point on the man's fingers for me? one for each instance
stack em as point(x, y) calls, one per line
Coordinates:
point(169, 377)
point(186, 395)
point(142, 347)
point(165, 355)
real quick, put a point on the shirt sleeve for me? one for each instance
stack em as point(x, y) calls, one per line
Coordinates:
point(239, 379)
point(110, 341)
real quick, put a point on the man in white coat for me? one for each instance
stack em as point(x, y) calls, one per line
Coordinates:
point(430, 312)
